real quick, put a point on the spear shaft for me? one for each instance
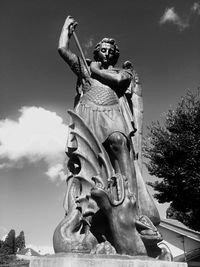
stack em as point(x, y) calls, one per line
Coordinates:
point(81, 52)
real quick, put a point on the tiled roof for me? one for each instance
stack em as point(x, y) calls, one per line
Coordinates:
point(28, 252)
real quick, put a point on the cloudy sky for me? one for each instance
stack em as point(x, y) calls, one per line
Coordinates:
point(160, 37)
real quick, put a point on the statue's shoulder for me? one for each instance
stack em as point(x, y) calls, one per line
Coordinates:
point(123, 70)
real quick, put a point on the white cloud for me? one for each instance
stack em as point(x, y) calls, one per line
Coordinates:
point(54, 170)
point(38, 134)
point(170, 16)
point(181, 21)
point(196, 8)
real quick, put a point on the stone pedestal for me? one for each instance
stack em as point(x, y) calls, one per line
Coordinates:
point(83, 260)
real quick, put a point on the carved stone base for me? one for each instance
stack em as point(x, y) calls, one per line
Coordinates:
point(86, 260)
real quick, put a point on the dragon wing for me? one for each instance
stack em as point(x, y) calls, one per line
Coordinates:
point(87, 152)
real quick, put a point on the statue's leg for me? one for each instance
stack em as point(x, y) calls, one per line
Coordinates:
point(119, 153)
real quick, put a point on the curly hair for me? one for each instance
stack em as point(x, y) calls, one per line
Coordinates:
point(108, 41)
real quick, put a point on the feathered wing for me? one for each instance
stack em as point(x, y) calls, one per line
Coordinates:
point(137, 106)
point(132, 105)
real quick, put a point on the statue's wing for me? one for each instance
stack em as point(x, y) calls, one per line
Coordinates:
point(135, 103)
point(87, 153)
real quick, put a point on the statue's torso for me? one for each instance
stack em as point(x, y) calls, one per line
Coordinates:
point(99, 93)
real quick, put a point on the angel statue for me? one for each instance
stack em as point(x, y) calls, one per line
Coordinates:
point(107, 206)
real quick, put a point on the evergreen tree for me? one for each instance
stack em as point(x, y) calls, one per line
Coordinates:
point(1, 246)
point(9, 247)
point(173, 151)
point(20, 241)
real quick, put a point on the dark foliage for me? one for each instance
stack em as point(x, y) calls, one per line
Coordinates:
point(173, 153)
point(6, 259)
point(20, 241)
point(11, 244)
point(12, 261)
point(8, 246)
point(1, 243)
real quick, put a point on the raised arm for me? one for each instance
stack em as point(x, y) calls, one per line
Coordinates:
point(72, 59)
point(117, 79)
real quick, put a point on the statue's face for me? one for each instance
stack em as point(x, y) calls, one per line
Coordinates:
point(106, 54)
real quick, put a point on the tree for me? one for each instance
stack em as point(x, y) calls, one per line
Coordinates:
point(8, 246)
point(173, 153)
point(1, 246)
point(20, 241)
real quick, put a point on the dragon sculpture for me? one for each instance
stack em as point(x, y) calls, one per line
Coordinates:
point(99, 206)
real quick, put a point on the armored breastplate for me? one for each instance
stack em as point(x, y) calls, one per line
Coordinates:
point(100, 94)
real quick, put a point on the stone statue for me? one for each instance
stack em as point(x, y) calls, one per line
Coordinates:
point(108, 208)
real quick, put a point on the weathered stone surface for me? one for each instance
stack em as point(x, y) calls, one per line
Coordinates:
point(83, 260)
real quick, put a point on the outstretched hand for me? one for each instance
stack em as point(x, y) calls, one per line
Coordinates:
point(70, 24)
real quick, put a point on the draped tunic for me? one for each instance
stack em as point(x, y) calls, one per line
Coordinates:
point(102, 108)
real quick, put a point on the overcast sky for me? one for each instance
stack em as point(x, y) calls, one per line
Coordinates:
point(160, 37)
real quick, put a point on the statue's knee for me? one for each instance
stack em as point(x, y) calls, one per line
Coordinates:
point(117, 140)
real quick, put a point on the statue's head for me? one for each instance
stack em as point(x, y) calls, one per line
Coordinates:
point(106, 51)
